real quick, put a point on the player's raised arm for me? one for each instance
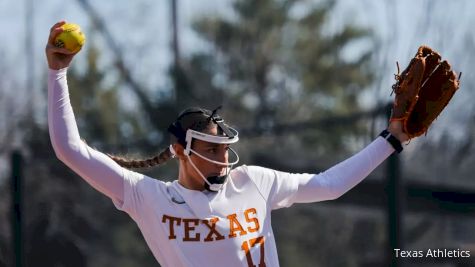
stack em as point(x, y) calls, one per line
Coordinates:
point(422, 92)
point(342, 177)
point(97, 169)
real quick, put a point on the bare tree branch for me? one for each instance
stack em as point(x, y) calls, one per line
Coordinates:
point(119, 61)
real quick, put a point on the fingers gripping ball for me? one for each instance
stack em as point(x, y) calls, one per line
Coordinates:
point(71, 38)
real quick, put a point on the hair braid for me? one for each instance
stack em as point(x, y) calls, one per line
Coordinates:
point(165, 155)
point(194, 118)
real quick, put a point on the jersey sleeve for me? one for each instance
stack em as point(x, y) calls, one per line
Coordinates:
point(276, 187)
point(97, 169)
point(140, 194)
point(342, 177)
point(283, 189)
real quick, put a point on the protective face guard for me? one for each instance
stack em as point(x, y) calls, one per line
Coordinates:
point(212, 183)
point(215, 139)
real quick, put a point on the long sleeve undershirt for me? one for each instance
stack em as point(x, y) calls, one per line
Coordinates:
point(100, 171)
point(107, 176)
point(339, 179)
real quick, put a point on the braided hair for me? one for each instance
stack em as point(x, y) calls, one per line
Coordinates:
point(162, 157)
point(194, 118)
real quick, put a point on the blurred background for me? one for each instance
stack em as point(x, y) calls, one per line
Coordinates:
point(306, 82)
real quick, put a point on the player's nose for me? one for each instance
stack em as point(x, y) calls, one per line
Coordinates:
point(222, 156)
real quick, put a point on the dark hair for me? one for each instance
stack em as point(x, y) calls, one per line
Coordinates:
point(194, 118)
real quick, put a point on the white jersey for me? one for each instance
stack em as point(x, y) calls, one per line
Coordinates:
point(231, 227)
point(184, 227)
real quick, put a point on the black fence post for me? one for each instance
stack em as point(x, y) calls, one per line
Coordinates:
point(17, 208)
point(395, 206)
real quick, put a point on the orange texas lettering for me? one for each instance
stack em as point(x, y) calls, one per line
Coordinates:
point(188, 225)
point(211, 224)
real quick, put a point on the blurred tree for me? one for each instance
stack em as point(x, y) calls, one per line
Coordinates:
point(96, 106)
point(273, 63)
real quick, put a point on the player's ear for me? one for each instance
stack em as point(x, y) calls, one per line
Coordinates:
point(179, 151)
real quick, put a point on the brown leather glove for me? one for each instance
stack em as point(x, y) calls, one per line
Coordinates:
point(423, 90)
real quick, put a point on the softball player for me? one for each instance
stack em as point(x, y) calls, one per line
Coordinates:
point(212, 215)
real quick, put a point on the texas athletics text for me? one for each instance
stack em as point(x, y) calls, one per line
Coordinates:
point(432, 253)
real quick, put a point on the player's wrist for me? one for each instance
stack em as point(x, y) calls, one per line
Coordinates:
point(395, 128)
point(392, 140)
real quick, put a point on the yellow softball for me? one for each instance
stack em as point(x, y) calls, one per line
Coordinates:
point(71, 38)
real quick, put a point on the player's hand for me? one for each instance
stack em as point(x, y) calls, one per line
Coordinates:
point(58, 58)
point(395, 128)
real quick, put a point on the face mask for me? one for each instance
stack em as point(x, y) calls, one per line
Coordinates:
point(212, 183)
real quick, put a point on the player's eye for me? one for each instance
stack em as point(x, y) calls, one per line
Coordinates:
point(212, 150)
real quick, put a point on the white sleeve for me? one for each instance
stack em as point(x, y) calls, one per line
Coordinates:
point(276, 187)
point(339, 179)
point(100, 171)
